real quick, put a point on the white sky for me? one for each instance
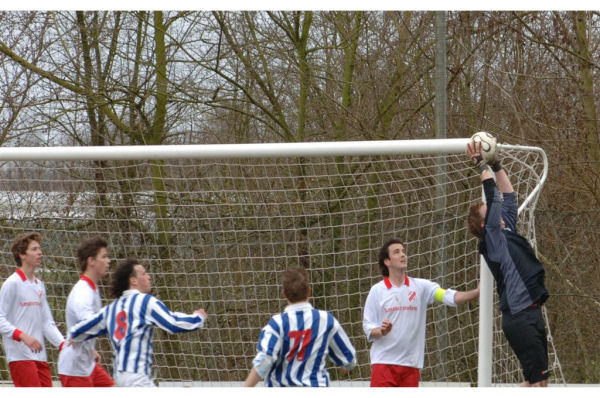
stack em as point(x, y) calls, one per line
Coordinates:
point(302, 4)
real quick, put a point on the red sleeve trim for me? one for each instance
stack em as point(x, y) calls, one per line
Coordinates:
point(60, 347)
point(16, 335)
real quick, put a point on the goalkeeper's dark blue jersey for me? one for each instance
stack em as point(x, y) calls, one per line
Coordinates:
point(518, 273)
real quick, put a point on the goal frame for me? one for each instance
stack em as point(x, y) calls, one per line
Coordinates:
point(302, 149)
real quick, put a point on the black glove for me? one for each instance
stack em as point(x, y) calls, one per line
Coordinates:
point(495, 165)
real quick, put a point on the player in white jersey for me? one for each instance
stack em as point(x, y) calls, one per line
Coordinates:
point(79, 364)
point(395, 315)
point(25, 317)
point(294, 345)
point(130, 321)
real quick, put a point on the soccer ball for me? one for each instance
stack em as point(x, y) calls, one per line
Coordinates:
point(488, 144)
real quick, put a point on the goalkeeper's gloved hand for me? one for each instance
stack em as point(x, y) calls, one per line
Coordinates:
point(474, 154)
point(495, 165)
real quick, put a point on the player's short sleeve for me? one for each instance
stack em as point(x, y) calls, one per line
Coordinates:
point(446, 296)
point(429, 289)
point(436, 293)
point(268, 348)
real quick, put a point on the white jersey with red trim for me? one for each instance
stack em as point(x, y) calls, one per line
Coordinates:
point(406, 308)
point(83, 302)
point(24, 309)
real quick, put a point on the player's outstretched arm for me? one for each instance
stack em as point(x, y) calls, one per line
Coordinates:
point(502, 180)
point(173, 322)
point(465, 297)
point(252, 379)
point(89, 328)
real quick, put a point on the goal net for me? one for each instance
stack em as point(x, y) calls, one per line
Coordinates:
point(215, 225)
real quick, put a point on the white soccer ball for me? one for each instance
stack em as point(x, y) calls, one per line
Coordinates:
point(488, 144)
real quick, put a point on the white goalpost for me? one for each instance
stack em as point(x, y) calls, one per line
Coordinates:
point(215, 224)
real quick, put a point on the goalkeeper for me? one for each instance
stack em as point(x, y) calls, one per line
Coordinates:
point(395, 315)
point(518, 273)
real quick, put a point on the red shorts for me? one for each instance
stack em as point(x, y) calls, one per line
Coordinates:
point(98, 378)
point(30, 374)
point(384, 375)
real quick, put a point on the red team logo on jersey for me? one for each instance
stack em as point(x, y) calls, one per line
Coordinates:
point(412, 296)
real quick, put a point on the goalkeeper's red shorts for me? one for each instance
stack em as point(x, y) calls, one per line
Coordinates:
point(98, 378)
point(384, 375)
point(30, 374)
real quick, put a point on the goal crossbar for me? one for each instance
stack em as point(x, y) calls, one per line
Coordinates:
point(224, 151)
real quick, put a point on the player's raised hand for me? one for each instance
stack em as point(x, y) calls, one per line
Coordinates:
point(474, 152)
point(386, 326)
point(31, 342)
point(201, 312)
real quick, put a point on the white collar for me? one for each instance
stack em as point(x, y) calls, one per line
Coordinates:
point(304, 305)
point(130, 292)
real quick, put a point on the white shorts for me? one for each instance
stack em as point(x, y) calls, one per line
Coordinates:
point(128, 379)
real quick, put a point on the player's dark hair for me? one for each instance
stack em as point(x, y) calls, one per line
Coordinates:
point(121, 275)
point(89, 248)
point(21, 243)
point(384, 254)
point(474, 219)
point(295, 284)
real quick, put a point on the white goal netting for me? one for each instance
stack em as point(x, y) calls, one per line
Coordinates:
point(216, 233)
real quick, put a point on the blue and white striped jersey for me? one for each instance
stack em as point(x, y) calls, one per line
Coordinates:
point(294, 345)
point(129, 322)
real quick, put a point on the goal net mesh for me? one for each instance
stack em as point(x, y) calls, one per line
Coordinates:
point(216, 234)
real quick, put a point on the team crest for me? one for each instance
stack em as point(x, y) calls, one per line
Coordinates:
point(412, 296)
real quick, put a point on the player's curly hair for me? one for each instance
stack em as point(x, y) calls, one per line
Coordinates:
point(21, 243)
point(474, 219)
point(90, 248)
point(295, 283)
point(121, 275)
point(384, 254)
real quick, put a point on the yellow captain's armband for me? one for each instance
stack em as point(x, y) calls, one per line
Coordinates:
point(439, 295)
